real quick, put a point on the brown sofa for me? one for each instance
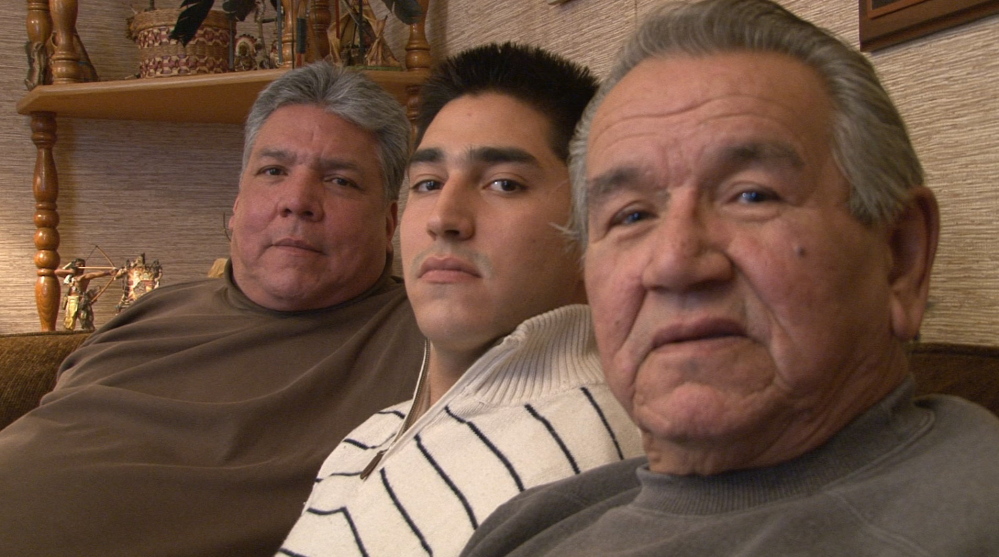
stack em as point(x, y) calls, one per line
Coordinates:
point(28, 364)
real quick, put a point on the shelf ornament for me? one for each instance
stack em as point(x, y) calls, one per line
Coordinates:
point(138, 278)
point(355, 34)
point(160, 55)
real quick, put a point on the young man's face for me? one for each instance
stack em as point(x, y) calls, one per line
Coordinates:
point(311, 226)
point(480, 247)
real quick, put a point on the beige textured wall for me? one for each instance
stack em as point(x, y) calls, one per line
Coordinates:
point(132, 187)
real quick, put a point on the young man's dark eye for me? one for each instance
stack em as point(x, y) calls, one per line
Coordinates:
point(426, 185)
point(506, 186)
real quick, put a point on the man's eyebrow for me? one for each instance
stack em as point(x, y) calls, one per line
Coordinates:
point(760, 152)
point(494, 155)
point(431, 154)
point(738, 155)
point(325, 164)
point(275, 153)
point(482, 155)
point(603, 185)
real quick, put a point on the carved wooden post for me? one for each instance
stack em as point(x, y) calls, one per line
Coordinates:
point(288, 33)
point(39, 24)
point(319, 21)
point(417, 58)
point(45, 183)
point(46, 190)
point(65, 59)
point(418, 49)
point(39, 21)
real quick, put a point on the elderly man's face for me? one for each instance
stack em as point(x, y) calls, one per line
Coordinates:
point(742, 313)
point(311, 227)
point(480, 247)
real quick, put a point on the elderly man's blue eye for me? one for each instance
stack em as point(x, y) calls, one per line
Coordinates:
point(755, 196)
point(633, 217)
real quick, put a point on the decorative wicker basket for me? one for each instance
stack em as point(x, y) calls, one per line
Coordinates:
point(159, 56)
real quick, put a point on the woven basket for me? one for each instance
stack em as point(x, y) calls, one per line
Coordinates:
point(159, 56)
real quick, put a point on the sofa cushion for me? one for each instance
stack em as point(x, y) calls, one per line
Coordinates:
point(28, 365)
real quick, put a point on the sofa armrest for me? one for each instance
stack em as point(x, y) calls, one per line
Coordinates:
point(965, 370)
point(28, 365)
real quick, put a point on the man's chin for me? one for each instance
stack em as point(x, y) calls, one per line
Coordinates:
point(695, 413)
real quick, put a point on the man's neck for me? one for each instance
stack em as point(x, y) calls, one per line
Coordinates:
point(437, 381)
point(444, 370)
point(445, 366)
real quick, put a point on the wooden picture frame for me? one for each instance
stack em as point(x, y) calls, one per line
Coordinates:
point(885, 23)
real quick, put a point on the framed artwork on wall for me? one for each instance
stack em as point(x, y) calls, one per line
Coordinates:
point(885, 23)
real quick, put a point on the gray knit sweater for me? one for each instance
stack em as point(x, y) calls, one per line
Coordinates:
point(903, 479)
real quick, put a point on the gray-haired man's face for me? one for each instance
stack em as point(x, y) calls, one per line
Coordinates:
point(310, 226)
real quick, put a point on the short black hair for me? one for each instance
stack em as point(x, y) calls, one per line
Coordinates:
point(549, 83)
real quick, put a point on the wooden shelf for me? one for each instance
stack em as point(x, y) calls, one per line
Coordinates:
point(208, 98)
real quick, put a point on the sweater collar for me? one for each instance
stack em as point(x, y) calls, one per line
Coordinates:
point(542, 356)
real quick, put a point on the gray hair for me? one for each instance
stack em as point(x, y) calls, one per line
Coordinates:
point(350, 95)
point(870, 143)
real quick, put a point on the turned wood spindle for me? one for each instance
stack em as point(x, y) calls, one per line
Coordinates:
point(319, 22)
point(65, 59)
point(418, 49)
point(288, 27)
point(39, 21)
point(417, 59)
point(46, 191)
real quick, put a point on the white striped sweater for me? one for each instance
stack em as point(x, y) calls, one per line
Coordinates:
point(532, 410)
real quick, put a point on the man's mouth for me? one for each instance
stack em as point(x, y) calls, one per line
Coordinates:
point(296, 243)
point(445, 268)
point(701, 330)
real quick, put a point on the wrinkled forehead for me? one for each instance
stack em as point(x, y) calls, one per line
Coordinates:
point(681, 82)
point(753, 98)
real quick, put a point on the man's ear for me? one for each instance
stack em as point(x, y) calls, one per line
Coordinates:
point(913, 242)
point(235, 207)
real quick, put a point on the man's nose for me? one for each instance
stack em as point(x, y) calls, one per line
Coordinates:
point(301, 196)
point(684, 252)
point(452, 216)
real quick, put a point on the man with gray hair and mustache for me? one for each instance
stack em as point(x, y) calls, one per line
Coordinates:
point(194, 422)
point(758, 245)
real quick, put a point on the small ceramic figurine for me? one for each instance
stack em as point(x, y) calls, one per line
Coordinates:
point(137, 277)
point(78, 304)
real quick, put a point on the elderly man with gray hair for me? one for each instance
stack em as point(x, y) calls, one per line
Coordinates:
point(758, 251)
